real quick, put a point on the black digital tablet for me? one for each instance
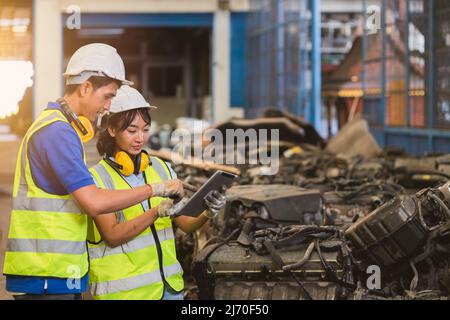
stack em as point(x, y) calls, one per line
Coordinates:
point(196, 204)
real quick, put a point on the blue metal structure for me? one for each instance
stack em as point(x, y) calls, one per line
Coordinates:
point(408, 104)
point(238, 69)
point(283, 57)
point(124, 20)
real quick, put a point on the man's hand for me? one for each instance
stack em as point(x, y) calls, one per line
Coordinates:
point(215, 200)
point(168, 189)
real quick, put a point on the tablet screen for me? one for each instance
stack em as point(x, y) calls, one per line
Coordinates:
point(196, 204)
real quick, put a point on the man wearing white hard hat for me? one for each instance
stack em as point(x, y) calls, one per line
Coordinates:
point(140, 238)
point(54, 193)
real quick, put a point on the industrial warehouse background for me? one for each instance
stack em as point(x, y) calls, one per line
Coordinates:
point(353, 97)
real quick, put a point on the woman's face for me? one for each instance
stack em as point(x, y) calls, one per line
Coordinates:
point(133, 138)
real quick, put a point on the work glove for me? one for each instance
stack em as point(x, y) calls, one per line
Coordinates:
point(168, 189)
point(167, 208)
point(215, 200)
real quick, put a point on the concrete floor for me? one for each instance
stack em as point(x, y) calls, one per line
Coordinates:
point(8, 154)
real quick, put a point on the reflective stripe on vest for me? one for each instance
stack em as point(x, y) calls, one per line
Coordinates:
point(133, 245)
point(49, 246)
point(134, 282)
point(132, 271)
point(47, 233)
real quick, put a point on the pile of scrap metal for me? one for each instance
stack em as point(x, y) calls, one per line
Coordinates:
point(408, 239)
point(314, 229)
point(312, 166)
point(266, 251)
point(304, 160)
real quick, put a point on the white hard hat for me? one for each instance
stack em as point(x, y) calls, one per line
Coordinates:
point(128, 98)
point(95, 59)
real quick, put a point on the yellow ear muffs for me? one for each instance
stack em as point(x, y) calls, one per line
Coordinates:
point(81, 124)
point(123, 159)
point(87, 124)
point(126, 165)
point(145, 161)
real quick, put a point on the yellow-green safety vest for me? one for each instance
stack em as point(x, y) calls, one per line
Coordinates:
point(140, 268)
point(47, 232)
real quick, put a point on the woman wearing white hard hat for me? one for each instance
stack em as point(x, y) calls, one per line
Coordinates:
point(132, 252)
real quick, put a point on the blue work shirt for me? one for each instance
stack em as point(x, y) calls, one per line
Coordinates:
point(57, 166)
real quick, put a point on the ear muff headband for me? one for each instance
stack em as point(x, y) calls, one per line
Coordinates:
point(145, 161)
point(81, 124)
point(137, 163)
point(87, 124)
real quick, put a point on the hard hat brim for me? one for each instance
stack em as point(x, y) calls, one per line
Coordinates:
point(131, 108)
point(127, 82)
point(79, 79)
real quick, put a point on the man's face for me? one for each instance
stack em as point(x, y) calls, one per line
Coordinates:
point(96, 102)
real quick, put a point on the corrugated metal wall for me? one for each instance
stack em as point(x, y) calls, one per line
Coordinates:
point(283, 57)
point(406, 74)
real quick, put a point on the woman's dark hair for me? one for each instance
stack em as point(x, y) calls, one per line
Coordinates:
point(106, 144)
